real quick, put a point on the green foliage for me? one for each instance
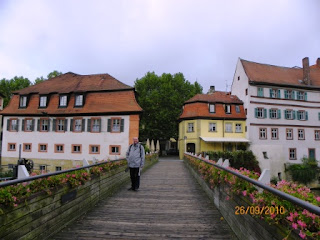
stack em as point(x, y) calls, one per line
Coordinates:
point(6, 174)
point(238, 159)
point(162, 98)
point(7, 87)
point(305, 172)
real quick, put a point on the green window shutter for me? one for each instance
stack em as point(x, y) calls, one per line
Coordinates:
point(109, 125)
point(264, 113)
point(297, 93)
point(54, 124)
point(66, 125)
point(286, 94)
point(293, 96)
point(269, 113)
point(285, 114)
point(319, 116)
point(83, 125)
point(49, 125)
point(89, 125)
point(294, 114)
point(17, 125)
point(270, 90)
point(305, 96)
point(279, 93)
point(38, 125)
point(99, 120)
point(306, 115)
point(71, 125)
point(32, 126)
point(22, 127)
point(256, 113)
point(279, 113)
point(8, 123)
point(122, 125)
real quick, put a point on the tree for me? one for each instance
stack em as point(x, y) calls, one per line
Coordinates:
point(9, 86)
point(53, 74)
point(162, 98)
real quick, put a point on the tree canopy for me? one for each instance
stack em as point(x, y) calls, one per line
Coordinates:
point(8, 86)
point(162, 98)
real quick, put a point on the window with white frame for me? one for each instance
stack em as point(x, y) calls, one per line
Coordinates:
point(11, 146)
point(274, 113)
point(316, 134)
point(43, 101)
point(212, 108)
point(289, 94)
point(23, 101)
point(76, 148)
point(42, 167)
point(260, 112)
point(260, 92)
point(13, 125)
point(58, 168)
point(301, 134)
point(289, 114)
point(302, 115)
point(289, 134)
point(43, 147)
point(63, 101)
point(44, 125)
point(238, 127)
point(190, 127)
point(212, 127)
point(60, 124)
point(262, 133)
point(274, 133)
point(274, 93)
point(116, 125)
point(77, 125)
point(228, 109)
point(59, 148)
point(237, 109)
point(27, 147)
point(94, 149)
point(79, 100)
point(95, 125)
point(114, 150)
point(292, 154)
point(228, 127)
point(300, 95)
point(28, 125)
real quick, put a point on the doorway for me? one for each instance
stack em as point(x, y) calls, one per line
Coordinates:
point(191, 147)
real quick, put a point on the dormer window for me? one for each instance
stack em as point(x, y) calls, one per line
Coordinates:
point(78, 100)
point(23, 102)
point(63, 101)
point(43, 101)
point(228, 109)
point(237, 108)
point(212, 108)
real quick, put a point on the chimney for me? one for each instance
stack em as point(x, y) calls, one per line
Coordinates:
point(318, 62)
point(212, 89)
point(306, 71)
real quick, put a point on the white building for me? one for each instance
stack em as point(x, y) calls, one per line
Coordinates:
point(283, 111)
point(70, 117)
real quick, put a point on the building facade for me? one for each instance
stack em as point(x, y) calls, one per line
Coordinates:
point(212, 122)
point(61, 121)
point(283, 111)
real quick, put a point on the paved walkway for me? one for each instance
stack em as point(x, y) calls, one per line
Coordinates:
point(169, 205)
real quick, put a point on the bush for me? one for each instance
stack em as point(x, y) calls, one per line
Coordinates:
point(238, 159)
point(305, 172)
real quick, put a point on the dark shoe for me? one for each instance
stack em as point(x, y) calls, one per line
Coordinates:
point(130, 189)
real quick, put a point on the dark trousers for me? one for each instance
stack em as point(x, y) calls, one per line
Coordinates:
point(135, 178)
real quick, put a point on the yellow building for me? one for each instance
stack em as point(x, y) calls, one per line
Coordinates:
point(212, 122)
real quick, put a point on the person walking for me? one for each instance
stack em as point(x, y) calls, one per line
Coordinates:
point(135, 158)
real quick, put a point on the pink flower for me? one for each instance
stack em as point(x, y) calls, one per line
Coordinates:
point(73, 175)
point(295, 214)
point(14, 198)
point(302, 235)
point(15, 205)
point(227, 198)
point(273, 216)
point(302, 224)
point(28, 190)
point(244, 193)
point(294, 225)
point(318, 199)
point(290, 218)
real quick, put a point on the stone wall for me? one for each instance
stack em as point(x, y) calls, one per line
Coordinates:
point(43, 215)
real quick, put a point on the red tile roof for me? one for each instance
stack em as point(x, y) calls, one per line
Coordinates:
point(215, 97)
point(198, 107)
point(119, 99)
point(71, 82)
point(258, 72)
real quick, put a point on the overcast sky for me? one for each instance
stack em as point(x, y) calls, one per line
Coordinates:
point(203, 39)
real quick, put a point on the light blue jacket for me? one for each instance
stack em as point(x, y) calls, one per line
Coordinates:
point(135, 156)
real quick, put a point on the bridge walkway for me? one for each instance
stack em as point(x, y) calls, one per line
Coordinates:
point(170, 204)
